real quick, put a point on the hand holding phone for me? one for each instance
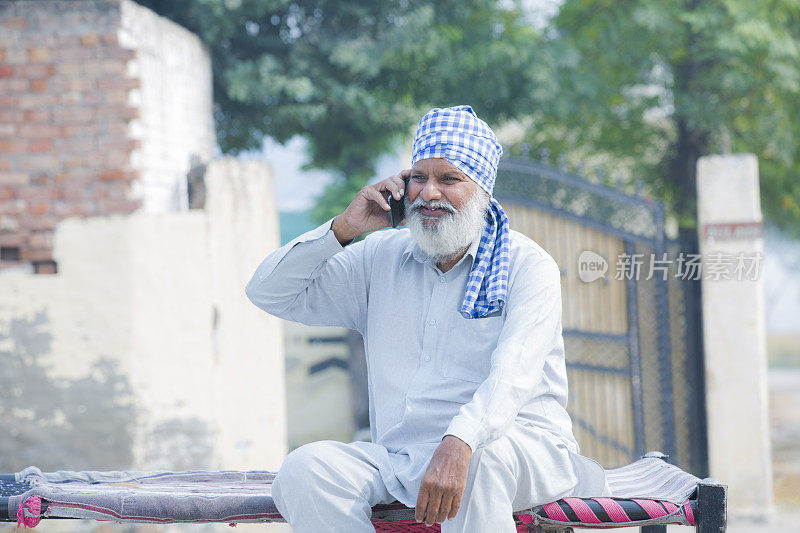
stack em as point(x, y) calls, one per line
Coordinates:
point(398, 207)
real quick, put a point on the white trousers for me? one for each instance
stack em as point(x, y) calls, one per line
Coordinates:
point(332, 486)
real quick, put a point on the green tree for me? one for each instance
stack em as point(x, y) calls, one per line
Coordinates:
point(649, 86)
point(354, 76)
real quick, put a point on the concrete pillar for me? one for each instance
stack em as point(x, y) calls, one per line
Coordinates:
point(731, 247)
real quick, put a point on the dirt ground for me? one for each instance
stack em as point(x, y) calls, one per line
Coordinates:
point(784, 410)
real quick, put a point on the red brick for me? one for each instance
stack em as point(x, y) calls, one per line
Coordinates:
point(117, 112)
point(90, 39)
point(36, 254)
point(11, 115)
point(116, 159)
point(71, 193)
point(74, 54)
point(13, 239)
point(38, 208)
point(39, 85)
point(118, 206)
point(14, 178)
point(37, 193)
point(34, 70)
point(71, 160)
point(38, 100)
point(71, 209)
point(2, 54)
point(40, 146)
point(74, 84)
point(38, 55)
point(41, 179)
point(110, 175)
point(84, 177)
point(16, 56)
point(117, 128)
point(16, 23)
point(38, 162)
point(38, 223)
point(109, 38)
point(12, 147)
point(73, 98)
point(118, 83)
point(40, 131)
point(8, 102)
point(5, 164)
point(118, 97)
point(123, 145)
point(6, 71)
point(11, 205)
point(112, 189)
point(36, 115)
point(79, 145)
point(74, 115)
point(13, 85)
point(108, 68)
point(45, 267)
point(70, 68)
point(82, 130)
point(120, 54)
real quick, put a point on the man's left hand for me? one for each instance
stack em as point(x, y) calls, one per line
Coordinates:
point(444, 482)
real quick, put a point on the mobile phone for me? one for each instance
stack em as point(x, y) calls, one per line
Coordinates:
point(398, 207)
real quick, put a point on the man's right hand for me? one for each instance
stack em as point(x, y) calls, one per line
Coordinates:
point(369, 210)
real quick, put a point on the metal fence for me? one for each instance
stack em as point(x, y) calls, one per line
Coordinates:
point(632, 339)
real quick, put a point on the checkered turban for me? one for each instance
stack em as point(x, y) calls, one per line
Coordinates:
point(458, 136)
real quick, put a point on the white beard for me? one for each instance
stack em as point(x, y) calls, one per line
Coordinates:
point(444, 237)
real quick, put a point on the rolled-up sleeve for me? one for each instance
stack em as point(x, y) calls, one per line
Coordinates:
point(313, 280)
point(532, 330)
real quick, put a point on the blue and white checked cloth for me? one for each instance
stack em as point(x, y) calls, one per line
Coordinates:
point(458, 136)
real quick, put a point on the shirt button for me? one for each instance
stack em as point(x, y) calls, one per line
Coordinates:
point(443, 279)
point(322, 240)
point(432, 322)
point(427, 358)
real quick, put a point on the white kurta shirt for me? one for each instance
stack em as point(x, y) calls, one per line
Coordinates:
point(432, 372)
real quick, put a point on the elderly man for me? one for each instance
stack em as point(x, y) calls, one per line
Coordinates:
point(461, 319)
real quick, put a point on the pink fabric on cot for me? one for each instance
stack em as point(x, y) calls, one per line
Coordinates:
point(555, 512)
point(34, 507)
point(581, 508)
point(652, 508)
point(615, 511)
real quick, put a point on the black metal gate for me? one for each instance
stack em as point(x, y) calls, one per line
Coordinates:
point(633, 344)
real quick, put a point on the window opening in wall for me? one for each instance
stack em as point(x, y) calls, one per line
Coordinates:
point(9, 253)
point(45, 267)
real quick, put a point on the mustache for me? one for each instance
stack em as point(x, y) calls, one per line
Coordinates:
point(419, 203)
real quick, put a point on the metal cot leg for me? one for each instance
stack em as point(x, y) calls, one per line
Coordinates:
point(712, 506)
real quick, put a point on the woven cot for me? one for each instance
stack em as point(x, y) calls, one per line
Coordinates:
point(649, 493)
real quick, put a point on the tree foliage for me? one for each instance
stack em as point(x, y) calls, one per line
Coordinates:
point(354, 76)
point(643, 87)
point(655, 84)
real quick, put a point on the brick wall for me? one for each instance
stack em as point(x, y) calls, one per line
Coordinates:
point(64, 114)
point(102, 106)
